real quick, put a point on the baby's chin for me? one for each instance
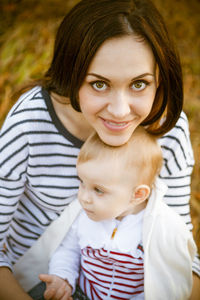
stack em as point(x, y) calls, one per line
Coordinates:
point(95, 218)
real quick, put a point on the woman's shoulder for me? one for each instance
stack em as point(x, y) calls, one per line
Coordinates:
point(30, 105)
point(179, 132)
point(176, 145)
point(28, 100)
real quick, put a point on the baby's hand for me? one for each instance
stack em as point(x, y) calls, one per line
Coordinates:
point(56, 288)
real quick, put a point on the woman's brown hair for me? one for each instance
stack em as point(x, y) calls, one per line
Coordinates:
point(88, 25)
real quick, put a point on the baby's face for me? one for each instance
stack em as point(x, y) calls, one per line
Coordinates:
point(105, 190)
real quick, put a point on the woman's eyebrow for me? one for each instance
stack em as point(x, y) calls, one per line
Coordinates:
point(142, 76)
point(98, 76)
point(135, 78)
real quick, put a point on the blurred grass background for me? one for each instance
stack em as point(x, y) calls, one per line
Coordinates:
point(27, 30)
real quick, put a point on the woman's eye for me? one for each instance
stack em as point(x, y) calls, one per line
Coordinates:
point(98, 191)
point(99, 85)
point(139, 85)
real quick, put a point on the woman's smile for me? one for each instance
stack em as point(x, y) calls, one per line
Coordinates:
point(114, 125)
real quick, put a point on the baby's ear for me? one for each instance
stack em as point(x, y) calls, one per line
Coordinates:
point(141, 193)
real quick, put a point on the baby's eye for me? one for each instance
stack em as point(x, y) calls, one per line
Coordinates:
point(81, 184)
point(80, 179)
point(139, 85)
point(98, 191)
point(99, 85)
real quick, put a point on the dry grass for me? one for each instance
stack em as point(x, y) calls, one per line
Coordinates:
point(27, 31)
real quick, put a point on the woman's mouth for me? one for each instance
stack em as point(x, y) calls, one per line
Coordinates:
point(115, 126)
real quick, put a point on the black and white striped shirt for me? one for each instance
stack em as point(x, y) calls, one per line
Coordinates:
point(38, 172)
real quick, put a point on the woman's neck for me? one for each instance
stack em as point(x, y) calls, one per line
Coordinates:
point(72, 120)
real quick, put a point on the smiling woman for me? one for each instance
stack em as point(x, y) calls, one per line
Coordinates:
point(113, 68)
point(120, 19)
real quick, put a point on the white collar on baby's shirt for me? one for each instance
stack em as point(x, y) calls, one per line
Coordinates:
point(98, 234)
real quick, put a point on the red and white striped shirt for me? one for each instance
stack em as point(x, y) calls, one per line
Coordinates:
point(107, 257)
point(110, 274)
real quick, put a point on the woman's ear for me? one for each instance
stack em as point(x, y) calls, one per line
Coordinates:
point(141, 193)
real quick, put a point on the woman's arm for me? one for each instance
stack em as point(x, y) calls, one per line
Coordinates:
point(9, 287)
point(13, 164)
point(196, 287)
point(176, 172)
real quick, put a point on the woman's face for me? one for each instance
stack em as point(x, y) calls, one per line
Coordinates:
point(119, 88)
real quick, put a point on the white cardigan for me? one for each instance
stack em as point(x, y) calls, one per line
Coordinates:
point(169, 250)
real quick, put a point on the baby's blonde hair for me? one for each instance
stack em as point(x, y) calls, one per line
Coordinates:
point(141, 154)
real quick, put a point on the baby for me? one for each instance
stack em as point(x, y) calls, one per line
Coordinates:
point(126, 242)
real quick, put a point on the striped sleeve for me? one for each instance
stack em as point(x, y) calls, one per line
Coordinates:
point(176, 172)
point(13, 164)
point(37, 172)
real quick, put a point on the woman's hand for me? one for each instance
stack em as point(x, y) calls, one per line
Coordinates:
point(196, 288)
point(9, 287)
point(56, 288)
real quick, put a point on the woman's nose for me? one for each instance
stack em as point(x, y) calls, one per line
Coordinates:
point(119, 105)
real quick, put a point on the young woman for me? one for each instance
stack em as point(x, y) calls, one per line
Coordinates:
point(114, 67)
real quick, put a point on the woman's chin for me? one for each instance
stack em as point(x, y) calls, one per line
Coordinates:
point(115, 140)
